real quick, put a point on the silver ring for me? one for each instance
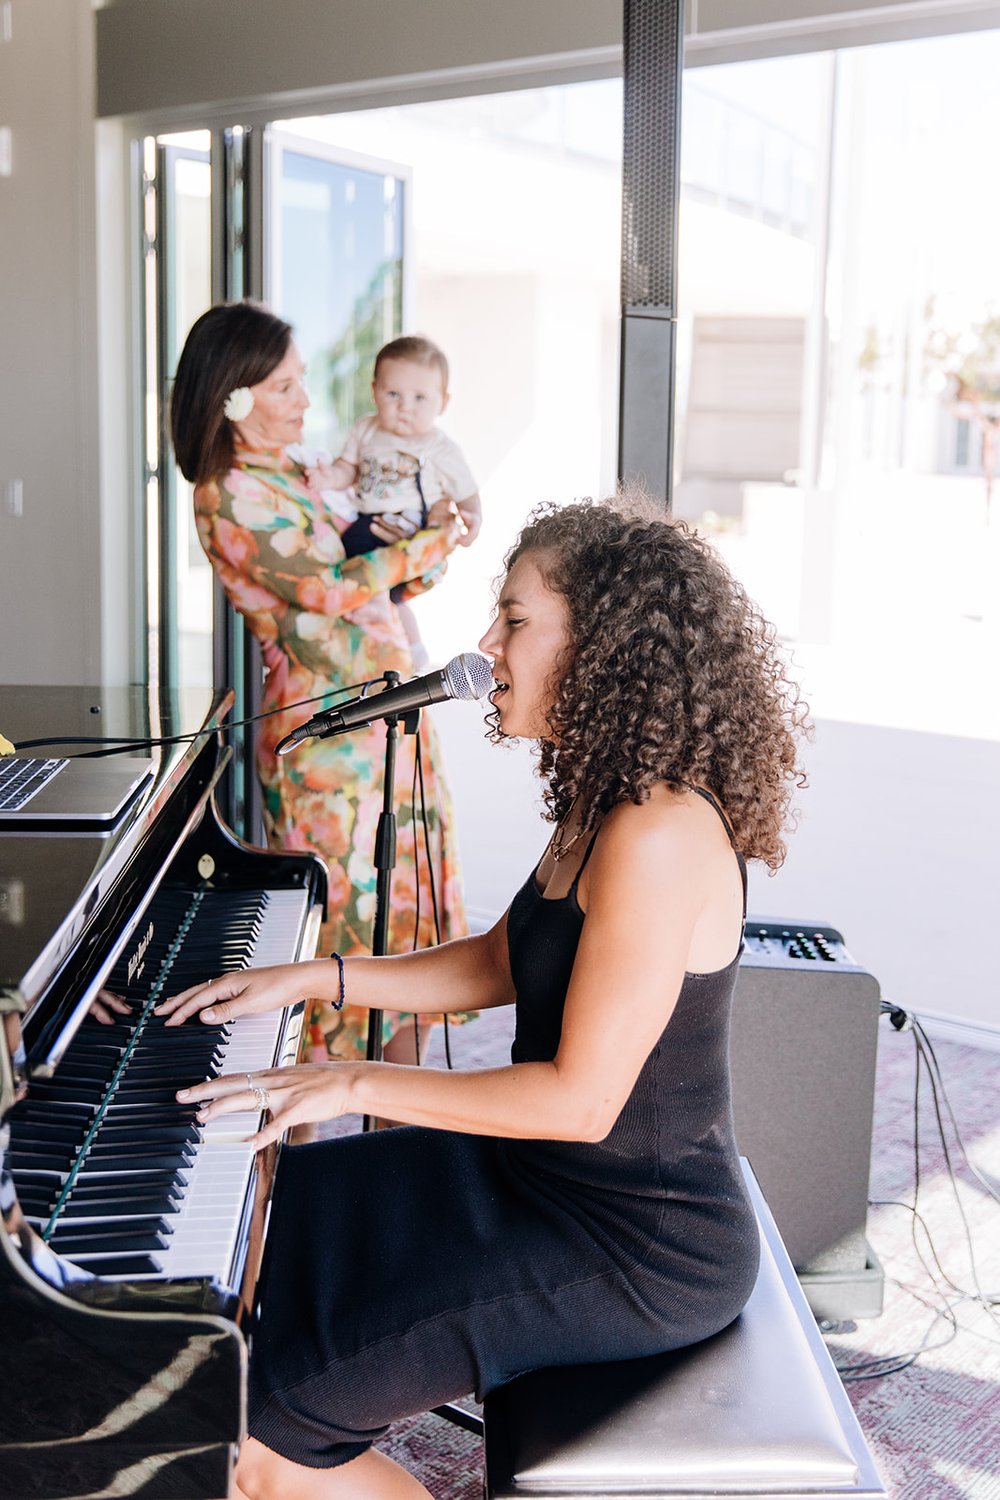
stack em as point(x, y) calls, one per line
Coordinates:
point(250, 1082)
point(262, 1097)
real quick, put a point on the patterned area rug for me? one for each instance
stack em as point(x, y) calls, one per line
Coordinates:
point(934, 1427)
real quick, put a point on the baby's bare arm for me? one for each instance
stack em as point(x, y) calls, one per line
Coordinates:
point(442, 512)
point(339, 475)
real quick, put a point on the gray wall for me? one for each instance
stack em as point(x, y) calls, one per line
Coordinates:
point(50, 557)
point(329, 54)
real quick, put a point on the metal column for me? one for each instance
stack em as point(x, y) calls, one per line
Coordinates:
point(653, 63)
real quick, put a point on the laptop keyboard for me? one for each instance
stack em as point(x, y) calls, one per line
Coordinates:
point(23, 778)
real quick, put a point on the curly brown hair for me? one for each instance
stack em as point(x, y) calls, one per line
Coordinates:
point(672, 674)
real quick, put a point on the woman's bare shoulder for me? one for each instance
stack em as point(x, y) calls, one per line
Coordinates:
point(672, 809)
point(673, 830)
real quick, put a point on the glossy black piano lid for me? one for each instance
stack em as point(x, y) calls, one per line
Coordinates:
point(53, 882)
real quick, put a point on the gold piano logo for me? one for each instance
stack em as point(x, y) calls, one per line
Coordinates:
point(11, 901)
point(135, 962)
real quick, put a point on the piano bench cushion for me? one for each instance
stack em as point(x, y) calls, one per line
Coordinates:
point(756, 1410)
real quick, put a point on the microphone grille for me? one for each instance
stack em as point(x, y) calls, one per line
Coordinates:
point(469, 675)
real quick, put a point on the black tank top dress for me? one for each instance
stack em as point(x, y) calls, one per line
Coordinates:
point(410, 1266)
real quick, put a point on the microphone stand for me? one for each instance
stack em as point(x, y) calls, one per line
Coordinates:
point(385, 863)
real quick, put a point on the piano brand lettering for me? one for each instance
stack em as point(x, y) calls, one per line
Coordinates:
point(135, 962)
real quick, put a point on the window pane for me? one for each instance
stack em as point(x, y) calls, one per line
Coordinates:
point(839, 381)
point(338, 254)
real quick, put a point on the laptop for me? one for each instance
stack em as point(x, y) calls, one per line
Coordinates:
point(56, 792)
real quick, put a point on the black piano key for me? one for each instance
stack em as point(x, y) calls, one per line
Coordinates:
point(172, 1178)
point(142, 1086)
point(49, 1089)
point(31, 1160)
point(40, 1180)
point(128, 1203)
point(141, 1094)
point(124, 1148)
point(119, 1266)
point(138, 1234)
point(163, 1038)
point(70, 1134)
point(107, 1189)
point(152, 1161)
point(148, 1069)
point(95, 1042)
point(36, 1108)
point(129, 1131)
point(149, 1113)
point(35, 1205)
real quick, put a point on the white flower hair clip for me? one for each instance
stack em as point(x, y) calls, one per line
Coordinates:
point(239, 403)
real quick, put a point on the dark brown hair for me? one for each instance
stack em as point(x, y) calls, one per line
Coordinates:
point(232, 345)
point(672, 672)
point(416, 350)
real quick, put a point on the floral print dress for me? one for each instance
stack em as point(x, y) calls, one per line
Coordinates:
point(326, 623)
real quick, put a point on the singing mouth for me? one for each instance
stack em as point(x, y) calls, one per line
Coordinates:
point(498, 691)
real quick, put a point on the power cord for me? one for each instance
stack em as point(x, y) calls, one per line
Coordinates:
point(943, 1307)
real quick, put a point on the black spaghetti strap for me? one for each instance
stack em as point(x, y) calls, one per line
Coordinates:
point(583, 862)
point(713, 801)
point(743, 876)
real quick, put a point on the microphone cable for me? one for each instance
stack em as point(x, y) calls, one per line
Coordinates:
point(125, 746)
point(418, 780)
point(422, 826)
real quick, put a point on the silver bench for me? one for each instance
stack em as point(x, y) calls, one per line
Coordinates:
point(758, 1410)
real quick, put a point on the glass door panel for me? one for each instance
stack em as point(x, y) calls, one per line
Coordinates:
point(176, 289)
point(336, 258)
point(186, 187)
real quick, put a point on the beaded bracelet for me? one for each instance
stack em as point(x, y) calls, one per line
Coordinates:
point(338, 1004)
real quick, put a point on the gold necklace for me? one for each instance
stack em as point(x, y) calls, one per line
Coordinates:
point(560, 849)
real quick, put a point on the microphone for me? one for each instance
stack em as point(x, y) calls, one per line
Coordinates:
point(465, 676)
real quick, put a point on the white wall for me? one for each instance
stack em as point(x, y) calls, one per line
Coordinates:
point(896, 846)
point(497, 805)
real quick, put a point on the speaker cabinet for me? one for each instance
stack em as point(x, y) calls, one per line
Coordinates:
point(803, 1046)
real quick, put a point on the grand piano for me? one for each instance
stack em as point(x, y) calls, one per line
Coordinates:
point(130, 1236)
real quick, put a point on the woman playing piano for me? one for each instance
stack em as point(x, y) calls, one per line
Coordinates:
point(585, 1202)
point(324, 623)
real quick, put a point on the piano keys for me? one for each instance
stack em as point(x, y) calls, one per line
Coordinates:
point(108, 1168)
point(131, 1236)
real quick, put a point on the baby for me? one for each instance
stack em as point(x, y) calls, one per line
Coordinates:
point(398, 462)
